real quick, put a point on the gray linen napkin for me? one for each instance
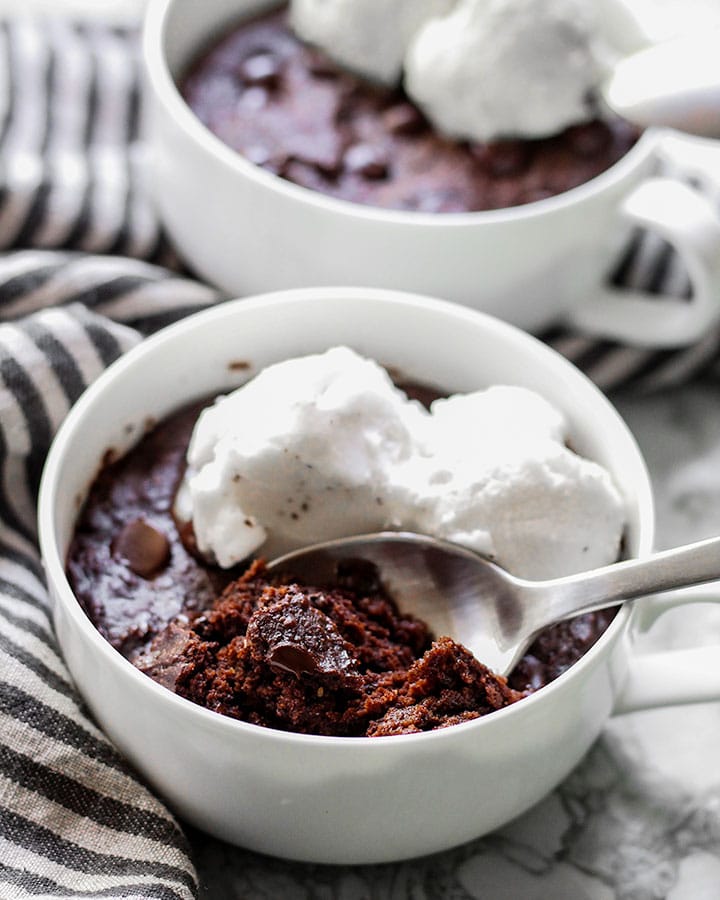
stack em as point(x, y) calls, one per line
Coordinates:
point(85, 273)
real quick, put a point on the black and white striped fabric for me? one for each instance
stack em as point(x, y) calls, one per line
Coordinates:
point(84, 274)
point(74, 820)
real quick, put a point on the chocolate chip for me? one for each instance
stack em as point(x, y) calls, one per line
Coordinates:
point(502, 158)
point(145, 549)
point(292, 658)
point(366, 160)
point(291, 634)
point(589, 139)
point(262, 70)
point(404, 119)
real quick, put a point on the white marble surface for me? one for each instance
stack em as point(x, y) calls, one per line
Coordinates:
point(639, 819)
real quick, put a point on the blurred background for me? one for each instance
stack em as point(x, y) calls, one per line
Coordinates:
point(665, 17)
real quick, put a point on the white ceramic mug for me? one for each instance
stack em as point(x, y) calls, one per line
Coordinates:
point(351, 800)
point(248, 230)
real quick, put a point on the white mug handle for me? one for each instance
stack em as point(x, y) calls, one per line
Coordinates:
point(671, 677)
point(688, 221)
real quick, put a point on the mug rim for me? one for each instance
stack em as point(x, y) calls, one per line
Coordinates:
point(165, 88)
point(77, 420)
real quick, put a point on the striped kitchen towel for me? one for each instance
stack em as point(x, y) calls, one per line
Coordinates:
point(85, 272)
point(74, 819)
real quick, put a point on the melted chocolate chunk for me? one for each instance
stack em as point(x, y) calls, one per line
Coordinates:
point(145, 549)
point(295, 636)
point(293, 658)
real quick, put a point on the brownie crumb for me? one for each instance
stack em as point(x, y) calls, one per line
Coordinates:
point(330, 661)
point(447, 685)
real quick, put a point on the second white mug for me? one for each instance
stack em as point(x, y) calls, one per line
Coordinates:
point(248, 230)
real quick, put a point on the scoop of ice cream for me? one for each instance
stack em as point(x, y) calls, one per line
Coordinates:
point(499, 478)
point(303, 452)
point(500, 68)
point(369, 37)
point(326, 446)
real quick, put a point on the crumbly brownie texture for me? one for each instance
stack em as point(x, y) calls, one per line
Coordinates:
point(288, 108)
point(334, 662)
point(308, 660)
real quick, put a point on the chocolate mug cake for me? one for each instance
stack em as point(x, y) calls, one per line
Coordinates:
point(287, 107)
point(337, 659)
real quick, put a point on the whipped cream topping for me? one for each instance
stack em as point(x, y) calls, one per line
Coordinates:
point(369, 37)
point(480, 69)
point(326, 446)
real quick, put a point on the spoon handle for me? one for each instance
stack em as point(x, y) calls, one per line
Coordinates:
point(611, 585)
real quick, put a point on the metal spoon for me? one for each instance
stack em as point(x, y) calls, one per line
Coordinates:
point(495, 615)
point(674, 83)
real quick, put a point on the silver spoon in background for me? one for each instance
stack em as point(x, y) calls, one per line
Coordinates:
point(674, 83)
point(496, 616)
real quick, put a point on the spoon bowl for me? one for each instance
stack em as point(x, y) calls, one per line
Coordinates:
point(495, 615)
point(675, 83)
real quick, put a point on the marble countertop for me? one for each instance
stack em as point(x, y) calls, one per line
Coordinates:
point(639, 819)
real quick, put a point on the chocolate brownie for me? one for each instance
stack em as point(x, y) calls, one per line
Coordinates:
point(288, 108)
point(333, 661)
point(342, 660)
